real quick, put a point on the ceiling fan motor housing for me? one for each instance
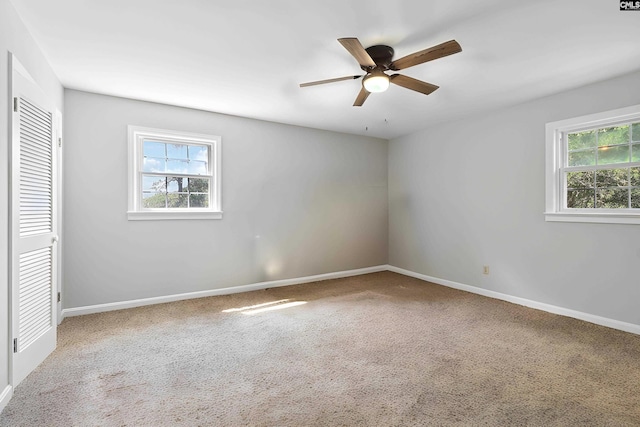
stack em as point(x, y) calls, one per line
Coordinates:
point(382, 55)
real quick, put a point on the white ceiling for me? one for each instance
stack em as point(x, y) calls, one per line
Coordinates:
point(247, 57)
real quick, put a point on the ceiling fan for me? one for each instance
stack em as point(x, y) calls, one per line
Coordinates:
point(375, 60)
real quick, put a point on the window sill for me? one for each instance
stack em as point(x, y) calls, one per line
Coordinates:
point(602, 218)
point(171, 215)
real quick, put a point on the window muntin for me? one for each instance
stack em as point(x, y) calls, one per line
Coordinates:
point(602, 167)
point(593, 168)
point(173, 175)
point(158, 156)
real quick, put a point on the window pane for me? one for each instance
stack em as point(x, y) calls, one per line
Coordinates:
point(153, 164)
point(580, 179)
point(635, 199)
point(176, 184)
point(176, 200)
point(153, 149)
point(619, 154)
point(155, 191)
point(178, 166)
point(177, 151)
point(635, 152)
point(580, 199)
point(582, 158)
point(154, 183)
point(153, 200)
point(198, 185)
point(613, 135)
point(612, 178)
point(612, 198)
point(198, 152)
point(635, 177)
point(172, 171)
point(199, 200)
point(635, 132)
point(198, 167)
point(580, 140)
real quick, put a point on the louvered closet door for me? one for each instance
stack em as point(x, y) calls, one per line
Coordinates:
point(33, 227)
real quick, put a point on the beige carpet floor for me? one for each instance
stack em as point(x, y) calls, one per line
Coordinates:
point(374, 350)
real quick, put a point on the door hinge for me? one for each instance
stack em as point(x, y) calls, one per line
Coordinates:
point(59, 142)
point(58, 296)
point(15, 345)
point(15, 104)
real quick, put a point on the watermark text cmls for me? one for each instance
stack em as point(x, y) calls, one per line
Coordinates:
point(629, 5)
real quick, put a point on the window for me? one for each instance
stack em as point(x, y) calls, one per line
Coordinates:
point(593, 168)
point(173, 175)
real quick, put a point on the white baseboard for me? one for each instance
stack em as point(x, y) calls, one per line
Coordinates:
point(5, 397)
point(592, 318)
point(99, 308)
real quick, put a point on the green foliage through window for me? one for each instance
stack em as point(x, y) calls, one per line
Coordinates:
point(175, 192)
point(600, 171)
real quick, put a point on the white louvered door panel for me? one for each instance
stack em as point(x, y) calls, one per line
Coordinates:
point(33, 225)
point(36, 170)
point(35, 296)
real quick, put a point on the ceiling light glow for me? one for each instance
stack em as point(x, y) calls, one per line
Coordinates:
point(376, 81)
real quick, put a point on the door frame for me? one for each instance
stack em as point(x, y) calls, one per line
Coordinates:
point(57, 131)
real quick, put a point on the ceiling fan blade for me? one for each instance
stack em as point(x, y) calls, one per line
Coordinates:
point(362, 96)
point(413, 84)
point(356, 49)
point(321, 82)
point(435, 52)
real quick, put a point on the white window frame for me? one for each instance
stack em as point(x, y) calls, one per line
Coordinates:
point(555, 159)
point(137, 134)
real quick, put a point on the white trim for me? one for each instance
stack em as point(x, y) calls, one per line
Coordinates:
point(554, 163)
point(99, 308)
point(59, 212)
point(5, 396)
point(19, 68)
point(136, 135)
point(589, 121)
point(602, 218)
point(184, 214)
point(591, 318)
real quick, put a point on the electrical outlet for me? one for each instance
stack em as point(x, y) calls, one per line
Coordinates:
point(485, 269)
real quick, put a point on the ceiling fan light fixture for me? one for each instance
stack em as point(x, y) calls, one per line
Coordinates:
point(377, 59)
point(376, 81)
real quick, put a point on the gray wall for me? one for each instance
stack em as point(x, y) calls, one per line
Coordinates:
point(471, 193)
point(296, 202)
point(14, 38)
